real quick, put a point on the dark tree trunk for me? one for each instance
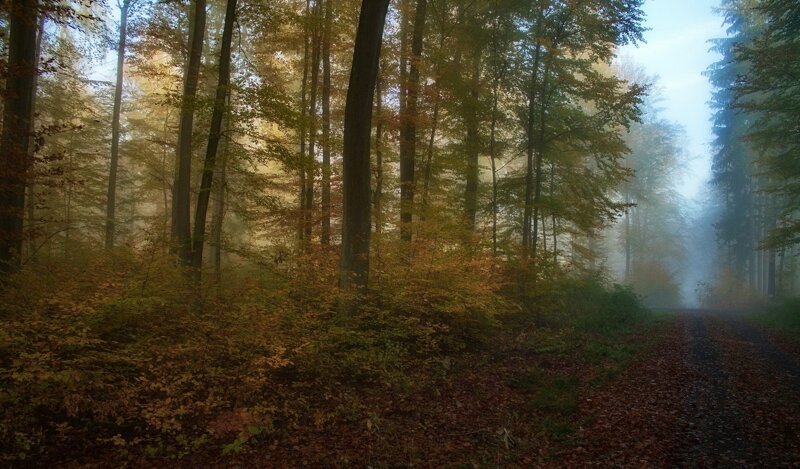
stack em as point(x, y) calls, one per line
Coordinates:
point(530, 150)
point(326, 125)
point(183, 180)
point(431, 143)
point(15, 158)
point(111, 198)
point(303, 109)
point(408, 124)
point(31, 202)
point(473, 145)
point(628, 278)
point(493, 158)
point(214, 136)
point(218, 209)
point(378, 196)
point(311, 160)
point(537, 198)
point(356, 226)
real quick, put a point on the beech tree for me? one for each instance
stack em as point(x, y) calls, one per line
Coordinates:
point(15, 157)
point(356, 216)
point(181, 225)
point(124, 9)
point(214, 136)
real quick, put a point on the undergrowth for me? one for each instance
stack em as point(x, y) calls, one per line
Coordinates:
point(783, 317)
point(123, 357)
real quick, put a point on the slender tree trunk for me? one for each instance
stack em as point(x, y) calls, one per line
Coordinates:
point(303, 109)
point(183, 180)
point(326, 124)
point(214, 136)
point(378, 196)
point(218, 209)
point(544, 233)
point(540, 158)
point(31, 202)
point(310, 164)
point(408, 124)
point(628, 241)
point(431, 139)
point(493, 160)
point(553, 213)
point(530, 148)
point(356, 226)
point(473, 146)
point(431, 146)
point(111, 197)
point(15, 158)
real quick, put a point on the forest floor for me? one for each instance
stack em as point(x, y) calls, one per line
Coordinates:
point(697, 388)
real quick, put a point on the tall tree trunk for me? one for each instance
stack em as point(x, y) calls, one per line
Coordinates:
point(303, 109)
point(214, 136)
point(31, 202)
point(431, 142)
point(111, 197)
point(311, 160)
point(15, 158)
point(182, 199)
point(628, 241)
point(553, 213)
point(408, 124)
point(530, 149)
point(473, 145)
point(356, 226)
point(218, 209)
point(537, 197)
point(493, 159)
point(326, 125)
point(378, 196)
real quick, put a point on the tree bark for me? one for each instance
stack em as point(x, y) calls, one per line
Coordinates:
point(540, 159)
point(111, 197)
point(183, 180)
point(31, 202)
point(530, 149)
point(356, 225)
point(408, 124)
point(473, 146)
point(214, 135)
point(218, 209)
point(378, 196)
point(303, 109)
point(326, 125)
point(15, 158)
point(311, 160)
point(493, 160)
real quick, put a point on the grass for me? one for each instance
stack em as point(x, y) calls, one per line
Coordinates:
point(783, 317)
point(604, 341)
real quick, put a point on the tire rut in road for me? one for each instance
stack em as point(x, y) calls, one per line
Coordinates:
point(712, 427)
point(782, 362)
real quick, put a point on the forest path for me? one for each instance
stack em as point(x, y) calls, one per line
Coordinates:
point(738, 406)
point(718, 392)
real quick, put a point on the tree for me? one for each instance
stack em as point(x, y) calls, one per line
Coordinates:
point(181, 226)
point(356, 216)
point(409, 91)
point(124, 9)
point(214, 135)
point(327, 39)
point(15, 158)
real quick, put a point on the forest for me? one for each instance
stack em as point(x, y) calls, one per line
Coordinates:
point(375, 233)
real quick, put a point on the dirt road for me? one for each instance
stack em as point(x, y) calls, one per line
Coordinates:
point(719, 392)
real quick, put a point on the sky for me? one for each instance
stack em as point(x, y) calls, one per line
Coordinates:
point(677, 52)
